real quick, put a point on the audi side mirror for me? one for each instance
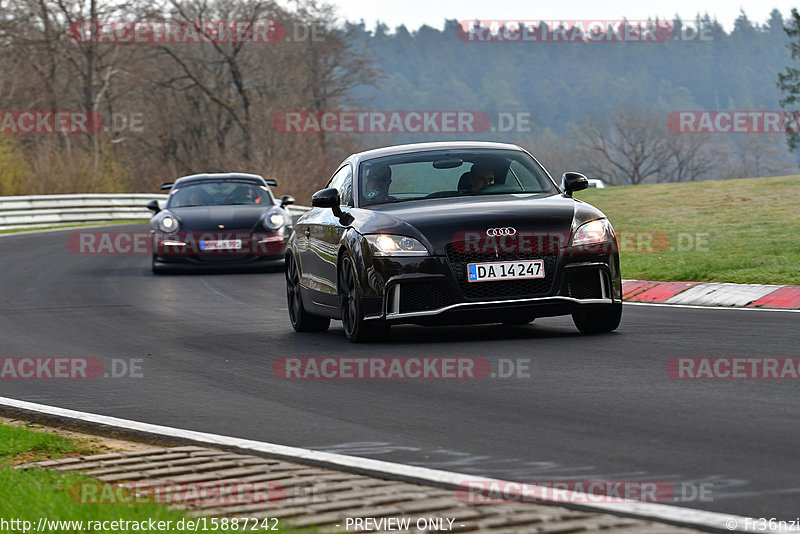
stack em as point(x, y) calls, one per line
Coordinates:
point(328, 198)
point(573, 181)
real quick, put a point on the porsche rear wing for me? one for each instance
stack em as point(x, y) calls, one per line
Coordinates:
point(165, 186)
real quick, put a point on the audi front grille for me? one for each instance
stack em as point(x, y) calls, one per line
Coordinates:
point(500, 289)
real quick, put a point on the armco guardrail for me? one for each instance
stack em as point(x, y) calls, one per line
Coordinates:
point(37, 211)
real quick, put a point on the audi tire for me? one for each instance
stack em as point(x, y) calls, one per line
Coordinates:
point(301, 320)
point(598, 319)
point(356, 329)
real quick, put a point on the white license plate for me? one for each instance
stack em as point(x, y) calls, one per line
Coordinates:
point(505, 270)
point(221, 244)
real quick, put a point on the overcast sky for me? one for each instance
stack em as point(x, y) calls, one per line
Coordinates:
point(414, 13)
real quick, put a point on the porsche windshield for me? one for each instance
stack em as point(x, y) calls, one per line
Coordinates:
point(218, 194)
point(426, 175)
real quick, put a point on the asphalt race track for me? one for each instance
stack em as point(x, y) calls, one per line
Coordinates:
point(598, 407)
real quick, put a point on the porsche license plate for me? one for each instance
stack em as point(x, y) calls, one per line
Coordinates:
point(221, 244)
point(505, 270)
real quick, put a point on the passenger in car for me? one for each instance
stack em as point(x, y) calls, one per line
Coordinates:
point(480, 178)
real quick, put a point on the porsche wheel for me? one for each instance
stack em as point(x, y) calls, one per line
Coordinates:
point(157, 269)
point(598, 320)
point(356, 328)
point(301, 320)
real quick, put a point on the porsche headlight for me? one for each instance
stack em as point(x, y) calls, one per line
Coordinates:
point(395, 245)
point(168, 224)
point(592, 233)
point(273, 220)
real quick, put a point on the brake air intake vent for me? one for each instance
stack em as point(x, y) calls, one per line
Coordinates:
point(423, 296)
point(584, 284)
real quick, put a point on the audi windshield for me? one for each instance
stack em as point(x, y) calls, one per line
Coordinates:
point(439, 174)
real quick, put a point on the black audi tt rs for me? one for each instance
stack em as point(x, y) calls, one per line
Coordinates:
point(450, 233)
point(219, 221)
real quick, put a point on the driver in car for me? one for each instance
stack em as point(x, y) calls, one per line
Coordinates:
point(378, 181)
point(245, 195)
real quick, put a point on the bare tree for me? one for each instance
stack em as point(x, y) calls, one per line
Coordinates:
point(628, 146)
point(691, 157)
point(223, 96)
point(202, 107)
point(762, 155)
point(633, 146)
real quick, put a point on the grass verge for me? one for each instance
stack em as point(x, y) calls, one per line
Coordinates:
point(21, 444)
point(36, 495)
point(59, 226)
point(740, 231)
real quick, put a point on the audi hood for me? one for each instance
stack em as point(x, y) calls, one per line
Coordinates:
point(442, 221)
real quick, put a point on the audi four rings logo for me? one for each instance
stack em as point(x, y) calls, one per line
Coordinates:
point(508, 230)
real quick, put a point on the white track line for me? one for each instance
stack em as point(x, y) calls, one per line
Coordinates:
point(699, 307)
point(658, 512)
point(68, 228)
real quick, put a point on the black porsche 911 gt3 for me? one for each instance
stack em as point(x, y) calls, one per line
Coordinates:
point(450, 233)
point(219, 221)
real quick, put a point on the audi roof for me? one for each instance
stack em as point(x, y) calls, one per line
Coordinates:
point(437, 145)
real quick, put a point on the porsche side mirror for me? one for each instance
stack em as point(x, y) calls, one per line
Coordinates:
point(286, 200)
point(328, 198)
point(153, 206)
point(573, 181)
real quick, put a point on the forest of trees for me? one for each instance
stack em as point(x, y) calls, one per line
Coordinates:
point(582, 96)
point(188, 107)
point(173, 109)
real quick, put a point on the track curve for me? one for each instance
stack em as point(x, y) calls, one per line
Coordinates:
point(600, 407)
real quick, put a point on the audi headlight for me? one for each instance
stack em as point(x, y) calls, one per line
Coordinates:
point(168, 224)
point(592, 233)
point(395, 245)
point(273, 220)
